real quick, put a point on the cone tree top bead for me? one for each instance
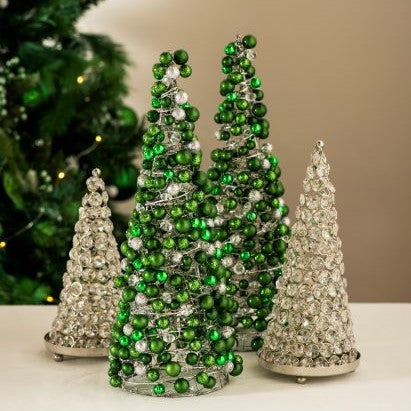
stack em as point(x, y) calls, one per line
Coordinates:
point(173, 283)
point(312, 280)
point(246, 182)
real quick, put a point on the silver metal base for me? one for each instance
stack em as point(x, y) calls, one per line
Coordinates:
point(303, 372)
point(140, 385)
point(244, 338)
point(59, 351)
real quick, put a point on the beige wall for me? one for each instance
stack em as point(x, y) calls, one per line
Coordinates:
point(336, 70)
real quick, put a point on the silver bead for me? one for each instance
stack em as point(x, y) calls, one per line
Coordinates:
point(181, 97)
point(173, 189)
point(173, 72)
point(179, 114)
point(141, 299)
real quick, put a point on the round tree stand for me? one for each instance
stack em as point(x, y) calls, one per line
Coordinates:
point(302, 373)
point(59, 352)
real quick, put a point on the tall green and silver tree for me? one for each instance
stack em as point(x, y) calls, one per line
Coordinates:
point(173, 335)
point(254, 215)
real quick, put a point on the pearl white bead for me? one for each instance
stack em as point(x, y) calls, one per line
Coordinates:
point(177, 257)
point(179, 114)
point(173, 189)
point(166, 80)
point(181, 97)
point(222, 288)
point(141, 346)
point(127, 329)
point(194, 145)
point(229, 367)
point(227, 331)
point(254, 196)
point(286, 221)
point(281, 201)
point(218, 221)
point(277, 213)
point(210, 222)
point(173, 72)
point(141, 180)
point(139, 368)
point(266, 148)
point(210, 250)
point(124, 263)
point(141, 299)
point(266, 164)
point(133, 279)
point(135, 243)
point(227, 261)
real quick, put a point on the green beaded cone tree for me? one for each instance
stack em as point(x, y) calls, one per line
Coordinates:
point(173, 335)
point(250, 201)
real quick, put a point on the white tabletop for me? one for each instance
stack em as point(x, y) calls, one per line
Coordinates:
point(30, 380)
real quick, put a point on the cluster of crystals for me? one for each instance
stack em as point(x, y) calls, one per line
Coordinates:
point(88, 300)
point(173, 335)
point(12, 75)
point(251, 207)
point(311, 324)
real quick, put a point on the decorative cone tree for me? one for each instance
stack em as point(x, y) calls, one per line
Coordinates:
point(172, 336)
point(88, 300)
point(311, 333)
point(250, 202)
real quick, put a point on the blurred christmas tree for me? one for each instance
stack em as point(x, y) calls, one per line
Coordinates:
point(61, 115)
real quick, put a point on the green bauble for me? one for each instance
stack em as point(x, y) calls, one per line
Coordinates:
point(184, 157)
point(157, 345)
point(128, 117)
point(173, 369)
point(180, 57)
point(181, 385)
point(257, 343)
point(159, 389)
point(249, 41)
point(192, 114)
point(157, 259)
point(116, 381)
point(125, 179)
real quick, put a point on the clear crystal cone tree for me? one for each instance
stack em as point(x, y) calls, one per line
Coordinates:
point(173, 334)
point(89, 299)
point(255, 222)
point(311, 324)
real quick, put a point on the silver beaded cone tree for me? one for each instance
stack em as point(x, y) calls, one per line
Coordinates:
point(89, 299)
point(255, 223)
point(172, 336)
point(311, 333)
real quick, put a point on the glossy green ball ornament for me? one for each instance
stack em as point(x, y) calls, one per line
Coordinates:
point(181, 385)
point(180, 57)
point(173, 369)
point(116, 381)
point(249, 41)
point(185, 71)
point(192, 114)
point(166, 58)
point(157, 345)
point(159, 389)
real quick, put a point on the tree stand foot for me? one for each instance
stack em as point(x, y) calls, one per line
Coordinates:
point(58, 357)
point(301, 380)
